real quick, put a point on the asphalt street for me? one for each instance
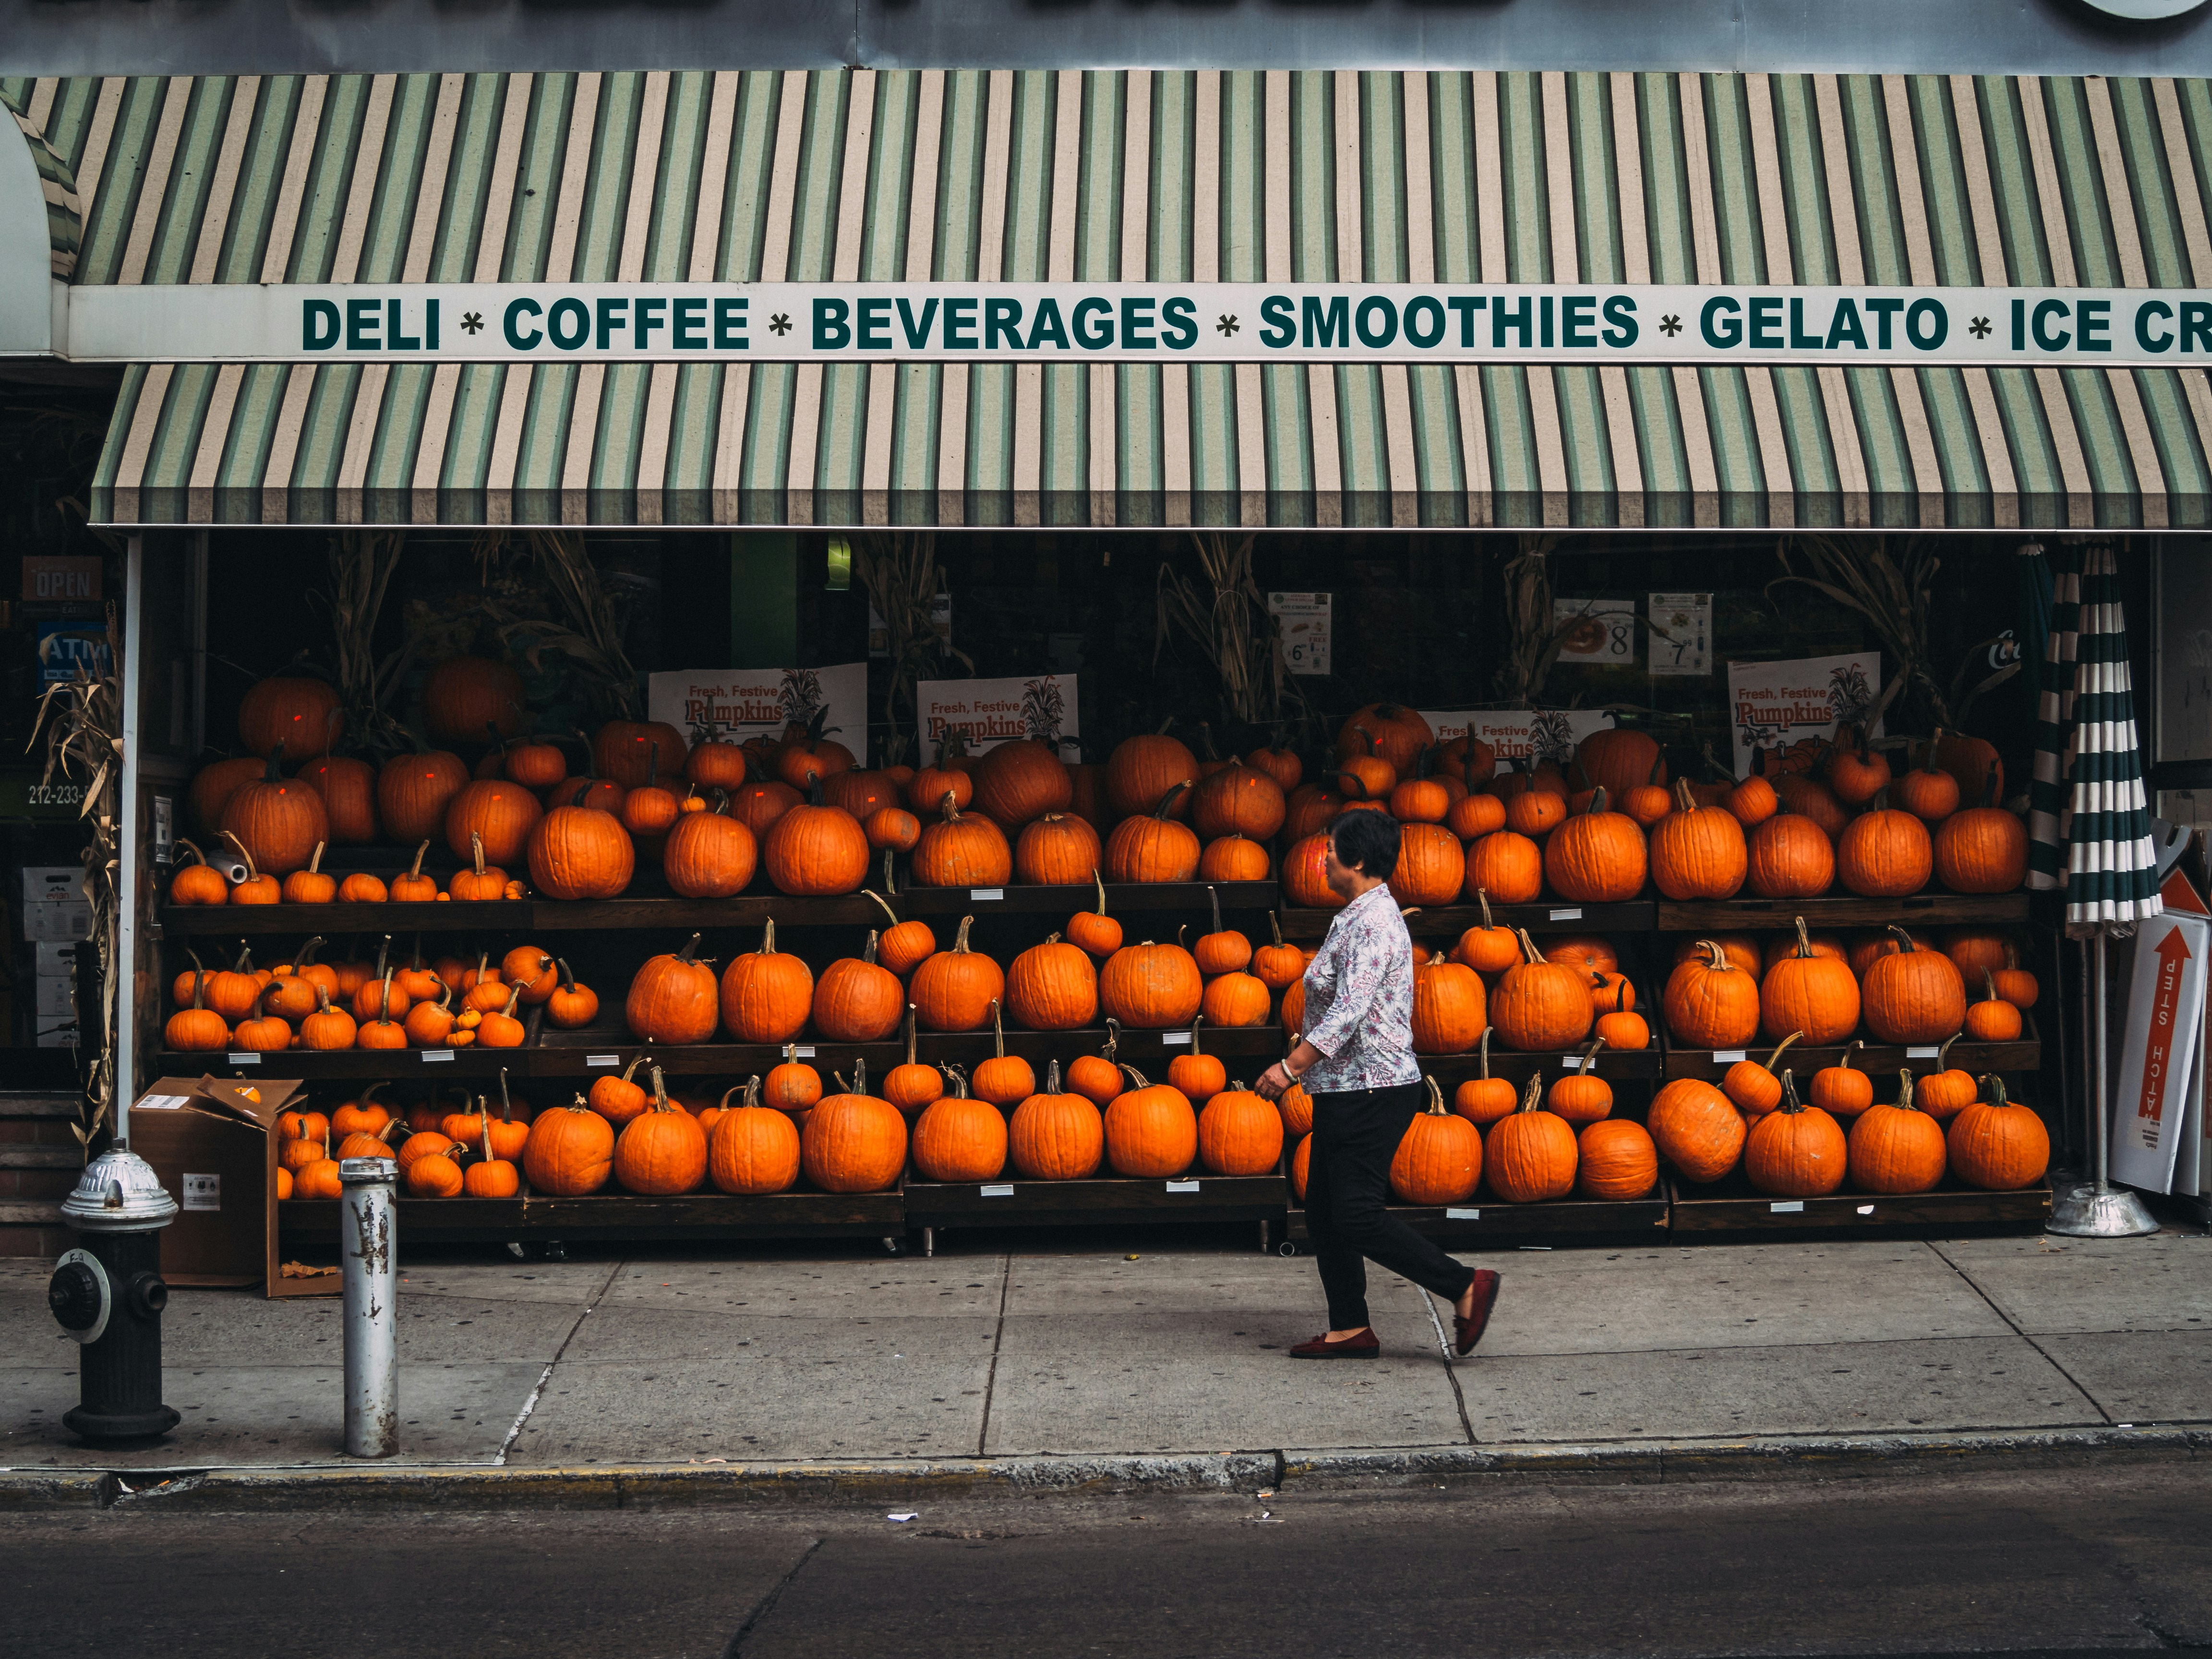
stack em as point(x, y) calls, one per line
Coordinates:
point(2095, 1561)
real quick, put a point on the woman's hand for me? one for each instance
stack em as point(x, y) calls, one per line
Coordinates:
point(1273, 1082)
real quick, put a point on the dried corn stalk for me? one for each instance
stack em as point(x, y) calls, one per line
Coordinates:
point(1531, 643)
point(1892, 592)
point(362, 563)
point(1226, 617)
point(81, 722)
point(898, 570)
point(591, 634)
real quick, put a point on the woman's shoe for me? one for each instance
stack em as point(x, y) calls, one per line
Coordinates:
point(1467, 1328)
point(1364, 1345)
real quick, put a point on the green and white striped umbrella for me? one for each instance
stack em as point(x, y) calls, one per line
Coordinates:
point(2089, 820)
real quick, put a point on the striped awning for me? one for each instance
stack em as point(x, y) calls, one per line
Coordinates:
point(1445, 177)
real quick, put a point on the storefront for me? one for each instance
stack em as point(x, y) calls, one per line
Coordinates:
point(1510, 367)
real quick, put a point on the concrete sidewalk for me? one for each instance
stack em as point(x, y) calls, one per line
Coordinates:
point(702, 1358)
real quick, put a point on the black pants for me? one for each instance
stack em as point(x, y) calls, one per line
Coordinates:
point(1355, 1136)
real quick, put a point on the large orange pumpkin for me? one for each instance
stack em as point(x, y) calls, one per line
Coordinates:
point(753, 1149)
point(859, 1000)
point(1151, 847)
point(1811, 993)
point(1438, 1160)
point(1151, 1130)
point(501, 814)
point(1711, 1002)
point(1431, 867)
point(570, 1152)
point(662, 1152)
point(1617, 761)
point(1507, 866)
point(1983, 849)
point(1698, 852)
point(853, 1142)
point(1052, 987)
point(1790, 857)
point(953, 991)
point(1539, 1006)
point(1020, 780)
point(278, 822)
point(348, 788)
point(1697, 1128)
point(1532, 1153)
point(1596, 857)
point(1057, 849)
point(766, 995)
point(1449, 1009)
point(1617, 1161)
point(1150, 987)
point(1143, 769)
point(1886, 854)
point(623, 751)
point(466, 700)
point(673, 998)
point(1237, 800)
point(1305, 874)
point(960, 1138)
point(581, 853)
point(1896, 1149)
point(1056, 1136)
point(1239, 1133)
point(413, 792)
point(814, 851)
point(301, 716)
point(1998, 1146)
point(1914, 995)
point(1796, 1151)
point(962, 851)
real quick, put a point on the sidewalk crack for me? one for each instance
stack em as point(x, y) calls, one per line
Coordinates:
point(767, 1604)
point(1451, 1371)
point(2050, 1359)
point(530, 1404)
point(998, 1336)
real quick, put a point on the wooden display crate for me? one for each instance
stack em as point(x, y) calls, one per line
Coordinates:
point(1107, 1200)
point(614, 1215)
point(1731, 1205)
point(1613, 1065)
point(649, 907)
point(1881, 1062)
point(1755, 915)
point(1447, 922)
point(1486, 1219)
point(604, 1048)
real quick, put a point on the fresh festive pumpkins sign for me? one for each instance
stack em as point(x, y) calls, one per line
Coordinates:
point(1522, 734)
point(988, 712)
point(733, 704)
point(1796, 707)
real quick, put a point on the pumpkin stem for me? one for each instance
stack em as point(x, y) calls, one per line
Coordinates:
point(1533, 1093)
point(1790, 1104)
point(683, 956)
point(1804, 939)
point(1715, 954)
point(636, 1061)
point(315, 860)
point(1136, 1078)
point(384, 1008)
point(1684, 800)
point(1990, 980)
point(1483, 1051)
point(1904, 943)
point(1435, 1097)
point(382, 951)
point(870, 892)
point(1052, 1078)
point(1197, 1023)
point(515, 997)
point(1590, 1057)
point(1113, 1040)
point(960, 938)
point(659, 1093)
point(304, 956)
point(251, 874)
point(1099, 882)
point(860, 1075)
point(1845, 1064)
point(1597, 800)
point(1943, 1053)
point(890, 886)
point(506, 1100)
point(768, 937)
point(198, 857)
point(1779, 1046)
point(1904, 1090)
point(1167, 799)
point(416, 869)
point(1528, 950)
point(568, 978)
point(949, 809)
point(1213, 898)
point(910, 1036)
point(998, 1032)
point(475, 851)
point(1996, 1086)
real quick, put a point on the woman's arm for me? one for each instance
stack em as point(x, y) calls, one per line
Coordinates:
point(1277, 1078)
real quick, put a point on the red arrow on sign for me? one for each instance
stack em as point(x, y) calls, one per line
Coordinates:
point(2172, 951)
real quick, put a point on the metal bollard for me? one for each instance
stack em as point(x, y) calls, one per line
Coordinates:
point(367, 1245)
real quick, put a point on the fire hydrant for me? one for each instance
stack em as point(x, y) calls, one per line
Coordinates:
point(108, 1294)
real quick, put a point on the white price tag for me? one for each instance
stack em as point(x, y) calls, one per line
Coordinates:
point(803, 1053)
point(1302, 626)
point(244, 1059)
point(203, 1192)
point(1787, 1206)
point(998, 1192)
point(1572, 913)
point(986, 895)
point(1866, 1209)
point(1462, 1215)
point(1727, 1057)
point(437, 1056)
point(160, 1104)
point(1182, 1186)
point(601, 1062)
point(1920, 1051)
point(1170, 1039)
point(1682, 632)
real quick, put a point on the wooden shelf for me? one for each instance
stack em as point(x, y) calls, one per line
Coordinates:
point(1447, 922)
point(649, 907)
point(1731, 1206)
point(1484, 1219)
point(1755, 915)
point(1880, 1061)
point(1015, 1202)
point(1613, 1065)
point(622, 1215)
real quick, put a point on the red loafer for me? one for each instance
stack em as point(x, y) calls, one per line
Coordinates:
point(1467, 1330)
point(1365, 1345)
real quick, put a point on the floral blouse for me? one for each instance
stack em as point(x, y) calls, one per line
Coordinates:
point(1360, 1000)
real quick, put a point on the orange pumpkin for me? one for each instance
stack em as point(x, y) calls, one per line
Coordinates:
point(1840, 1091)
point(1095, 932)
point(1484, 1099)
point(1431, 868)
point(853, 1142)
point(1153, 847)
point(709, 854)
point(673, 998)
point(858, 999)
point(1998, 1146)
point(1531, 1155)
point(1142, 771)
point(570, 1152)
point(291, 713)
point(1541, 1006)
point(1305, 874)
point(1711, 1003)
point(1616, 1161)
point(1449, 1010)
point(954, 989)
point(1596, 857)
point(1698, 852)
point(1056, 1136)
point(1896, 1149)
point(815, 850)
point(1051, 987)
point(1796, 1151)
point(1507, 866)
point(1885, 853)
point(581, 853)
point(1098, 1078)
point(662, 1152)
point(766, 995)
point(1197, 1076)
point(1697, 1128)
point(1914, 995)
point(752, 1149)
point(1983, 849)
point(959, 851)
point(1151, 986)
point(1057, 849)
point(1756, 1087)
point(1811, 992)
point(1151, 1130)
point(1438, 1160)
point(910, 1086)
point(960, 1138)
point(792, 1085)
point(1927, 792)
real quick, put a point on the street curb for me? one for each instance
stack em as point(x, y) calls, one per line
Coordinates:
point(690, 1486)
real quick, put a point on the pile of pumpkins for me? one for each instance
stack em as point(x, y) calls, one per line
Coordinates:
point(1594, 831)
point(1497, 983)
point(451, 1003)
point(1822, 989)
point(441, 1153)
point(1063, 984)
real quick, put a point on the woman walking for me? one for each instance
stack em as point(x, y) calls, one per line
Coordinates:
point(1356, 1060)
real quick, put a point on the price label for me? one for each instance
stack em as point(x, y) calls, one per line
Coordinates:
point(987, 894)
point(1462, 1215)
point(160, 1104)
point(1682, 632)
point(1787, 1206)
point(244, 1059)
point(1727, 1057)
point(203, 1192)
point(1303, 627)
point(437, 1056)
point(803, 1054)
point(1595, 633)
point(998, 1192)
point(1919, 1052)
point(601, 1062)
point(1866, 1209)
point(1170, 1039)
point(1574, 915)
point(1182, 1186)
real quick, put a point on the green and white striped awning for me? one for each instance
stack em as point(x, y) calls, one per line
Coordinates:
point(1446, 177)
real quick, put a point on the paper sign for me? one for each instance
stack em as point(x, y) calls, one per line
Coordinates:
point(1462, 1215)
point(203, 1192)
point(1595, 633)
point(1304, 619)
point(2157, 1056)
point(1796, 707)
point(1682, 632)
point(160, 1104)
point(1521, 733)
point(733, 704)
point(992, 712)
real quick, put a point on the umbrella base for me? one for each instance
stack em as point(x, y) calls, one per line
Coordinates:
point(2084, 1211)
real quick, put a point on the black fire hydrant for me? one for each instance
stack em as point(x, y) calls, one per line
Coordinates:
point(108, 1294)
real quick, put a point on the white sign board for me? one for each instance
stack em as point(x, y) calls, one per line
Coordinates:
point(2158, 1055)
point(991, 711)
point(733, 704)
point(1595, 633)
point(1521, 733)
point(1304, 619)
point(1796, 706)
point(1681, 634)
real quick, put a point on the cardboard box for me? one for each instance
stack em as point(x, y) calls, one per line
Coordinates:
point(213, 1143)
point(53, 884)
point(58, 1036)
point(57, 960)
point(57, 923)
point(56, 1000)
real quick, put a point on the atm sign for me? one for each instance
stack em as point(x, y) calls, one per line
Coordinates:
point(52, 577)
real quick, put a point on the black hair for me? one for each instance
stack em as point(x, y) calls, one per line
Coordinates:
point(1367, 841)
